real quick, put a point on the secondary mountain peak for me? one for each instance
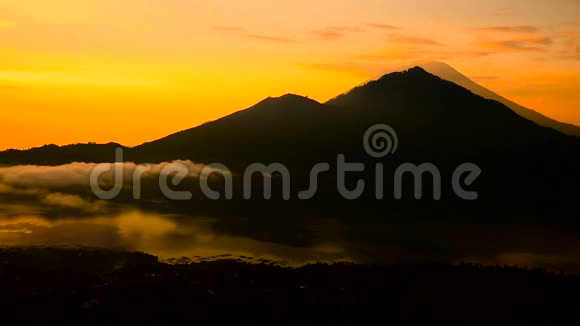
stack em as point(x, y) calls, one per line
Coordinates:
point(287, 100)
point(412, 72)
point(416, 70)
point(257, 132)
point(292, 96)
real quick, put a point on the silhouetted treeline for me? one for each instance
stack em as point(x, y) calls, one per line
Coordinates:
point(93, 286)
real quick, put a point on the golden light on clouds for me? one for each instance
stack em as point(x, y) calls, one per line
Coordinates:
point(132, 71)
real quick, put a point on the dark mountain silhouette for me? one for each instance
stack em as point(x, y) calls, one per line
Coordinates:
point(417, 103)
point(431, 116)
point(440, 122)
point(281, 128)
point(524, 165)
point(55, 155)
point(449, 73)
point(427, 112)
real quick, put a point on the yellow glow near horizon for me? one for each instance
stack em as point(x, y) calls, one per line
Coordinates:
point(132, 71)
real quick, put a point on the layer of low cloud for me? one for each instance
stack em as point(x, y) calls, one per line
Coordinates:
point(78, 174)
point(60, 186)
point(73, 202)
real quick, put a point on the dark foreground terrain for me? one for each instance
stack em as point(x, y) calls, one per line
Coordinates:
point(107, 287)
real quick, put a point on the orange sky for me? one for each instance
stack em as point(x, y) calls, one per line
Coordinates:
point(132, 71)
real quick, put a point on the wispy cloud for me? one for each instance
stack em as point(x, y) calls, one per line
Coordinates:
point(269, 38)
point(435, 53)
point(571, 45)
point(517, 38)
point(517, 44)
point(508, 29)
point(327, 35)
point(412, 40)
point(345, 29)
point(383, 26)
point(243, 32)
point(331, 33)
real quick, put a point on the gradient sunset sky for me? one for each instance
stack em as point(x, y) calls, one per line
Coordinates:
point(132, 71)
